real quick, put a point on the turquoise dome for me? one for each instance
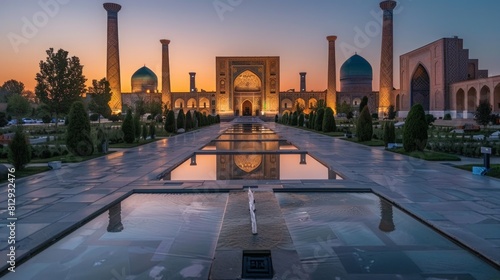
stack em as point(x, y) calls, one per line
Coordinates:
point(144, 73)
point(144, 80)
point(356, 67)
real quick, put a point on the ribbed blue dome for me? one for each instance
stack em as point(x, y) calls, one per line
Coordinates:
point(144, 73)
point(356, 67)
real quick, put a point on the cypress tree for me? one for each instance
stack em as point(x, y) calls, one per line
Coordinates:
point(301, 120)
point(78, 139)
point(189, 121)
point(389, 133)
point(181, 120)
point(137, 127)
point(318, 125)
point(415, 130)
point(329, 121)
point(170, 122)
point(293, 121)
point(363, 103)
point(364, 128)
point(19, 149)
point(128, 128)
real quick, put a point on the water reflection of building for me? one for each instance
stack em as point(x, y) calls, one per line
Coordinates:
point(386, 221)
point(115, 218)
point(248, 166)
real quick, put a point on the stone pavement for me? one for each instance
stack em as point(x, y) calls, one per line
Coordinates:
point(464, 206)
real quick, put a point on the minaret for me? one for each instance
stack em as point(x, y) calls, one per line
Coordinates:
point(192, 81)
point(386, 58)
point(166, 97)
point(331, 93)
point(302, 81)
point(113, 57)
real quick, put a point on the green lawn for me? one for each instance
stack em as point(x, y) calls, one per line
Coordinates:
point(132, 145)
point(371, 143)
point(65, 159)
point(494, 171)
point(427, 155)
point(27, 171)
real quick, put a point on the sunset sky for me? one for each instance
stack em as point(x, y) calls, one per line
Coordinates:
point(200, 30)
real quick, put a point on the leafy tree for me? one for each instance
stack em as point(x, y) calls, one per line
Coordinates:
point(181, 120)
point(483, 113)
point(100, 93)
point(144, 132)
point(140, 106)
point(415, 130)
point(60, 81)
point(19, 149)
point(329, 121)
point(18, 106)
point(318, 125)
point(364, 128)
point(391, 114)
point(170, 122)
point(344, 108)
point(78, 137)
point(389, 133)
point(137, 127)
point(11, 88)
point(299, 107)
point(363, 103)
point(128, 128)
point(154, 108)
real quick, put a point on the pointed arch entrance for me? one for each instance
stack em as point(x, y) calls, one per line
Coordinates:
point(421, 88)
point(246, 108)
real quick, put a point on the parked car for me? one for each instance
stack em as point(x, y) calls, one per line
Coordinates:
point(28, 120)
point(12, 122)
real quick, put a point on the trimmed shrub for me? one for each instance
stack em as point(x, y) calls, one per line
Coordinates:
point(429, 118)
point(391, 114)
point(389, 133)
point(364, 128)
point(301, 120)
point(284, 119)
point(78, 138)
point(102, 140)
point(447, 117)
point(415, 130)
point(115, 118)
point(318, 124)
point(94, 117)
point(276, 118)
point(310, 123)
point(181, 120)
point(170, 122)
point(329, 121)
point(128, 128)
point(19, 150)
point(217, 118)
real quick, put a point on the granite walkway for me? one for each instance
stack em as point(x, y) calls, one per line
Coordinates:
point(464, 206)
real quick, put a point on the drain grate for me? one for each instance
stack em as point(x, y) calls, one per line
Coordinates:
point(257, 264)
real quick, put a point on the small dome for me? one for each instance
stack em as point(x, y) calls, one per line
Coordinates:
point(356, 67)
point(144, 79)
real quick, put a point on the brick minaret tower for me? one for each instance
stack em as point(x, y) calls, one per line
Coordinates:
point(113, 57)
point(302, 81)
point(192, 81)
point(331, 93)
point(166, 97)
point(386, 58)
